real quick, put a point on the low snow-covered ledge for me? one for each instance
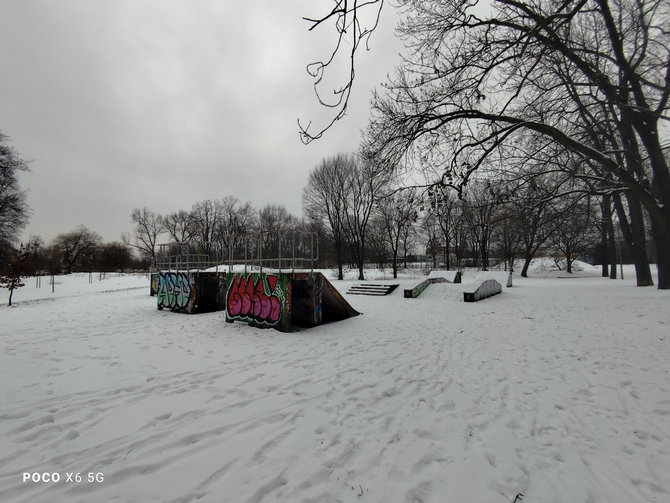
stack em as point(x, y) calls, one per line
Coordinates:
point(482, 290)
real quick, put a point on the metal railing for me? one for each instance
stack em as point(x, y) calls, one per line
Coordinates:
point(287, 249)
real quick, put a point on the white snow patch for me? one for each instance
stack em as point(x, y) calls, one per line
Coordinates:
point(557, 390)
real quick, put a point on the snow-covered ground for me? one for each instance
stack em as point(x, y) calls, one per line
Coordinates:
point(557, 389)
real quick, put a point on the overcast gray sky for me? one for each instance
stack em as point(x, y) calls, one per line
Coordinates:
point(163, 103)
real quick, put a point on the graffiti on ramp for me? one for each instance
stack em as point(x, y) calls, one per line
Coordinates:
point(255, 298)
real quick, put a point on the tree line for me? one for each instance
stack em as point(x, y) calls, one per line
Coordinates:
point(508, 130)
point(206, 223)
point(496, 221)
point(364, 215)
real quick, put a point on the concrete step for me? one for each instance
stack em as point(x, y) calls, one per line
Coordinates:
point(372, 289)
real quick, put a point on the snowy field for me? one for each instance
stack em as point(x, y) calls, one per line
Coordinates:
point(557, 389)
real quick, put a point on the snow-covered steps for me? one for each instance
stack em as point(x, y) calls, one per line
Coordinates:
point(370, 289)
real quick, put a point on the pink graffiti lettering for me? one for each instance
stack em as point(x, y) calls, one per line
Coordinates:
point(247, 299)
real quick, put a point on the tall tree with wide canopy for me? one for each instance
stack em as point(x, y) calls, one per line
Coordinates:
point(324, 200)
point(477, 79)
point(148, 226)
point(77, 247)
point(397, 211)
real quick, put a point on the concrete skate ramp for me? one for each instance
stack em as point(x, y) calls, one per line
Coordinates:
point(335, 307)
point(444, 276)
point(189, 292)
point(482, 290)
point(270, 299)
point(502, 277)
point(434, 277)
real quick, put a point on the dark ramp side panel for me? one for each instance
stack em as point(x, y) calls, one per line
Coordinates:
point(335, 307)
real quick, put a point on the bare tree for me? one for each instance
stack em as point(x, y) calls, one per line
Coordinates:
point(363, 187)
point(325, 251)
point(180, 225)
point(508, 236)
point(481, 213)
point(114, 256)
point(577, 232)
point(17, 265)
point(272, 219)
point(449, 217)
point(77, 247)
point(605, 130)
point(324, 199)
point(534, 199)
point(14, 210)
point(430, 232)
point(207, 217)
point(148, 226)
point(475, 82)
point(235, 218)
point(354, 21)
point(397, 213)
point(51, 259)
point(377, 250)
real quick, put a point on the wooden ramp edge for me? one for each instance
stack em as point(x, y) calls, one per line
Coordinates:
point(335, 307)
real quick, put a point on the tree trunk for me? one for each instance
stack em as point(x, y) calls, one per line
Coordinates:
point(485, 255)
point(662, 243)
point(361, 261)
point(635, 238)
point(395, 263)
point(606, 210)
point(526, 264)
point(568, 260)
point(662, 240)
point(605, 266)
point(339, 258)
point(611, 243)
point(660, 228)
